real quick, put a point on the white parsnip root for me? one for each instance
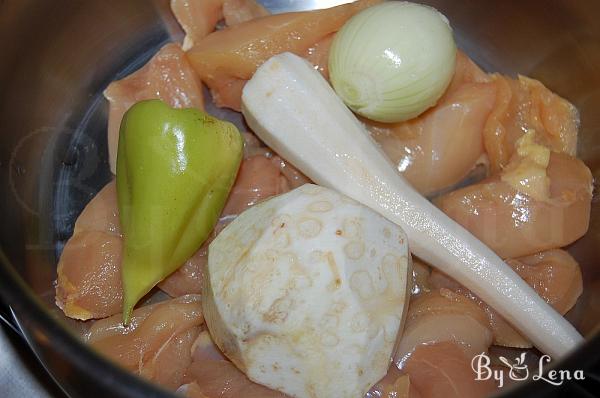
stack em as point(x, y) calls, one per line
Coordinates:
point(294, 111)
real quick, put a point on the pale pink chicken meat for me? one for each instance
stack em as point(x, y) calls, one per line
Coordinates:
point(238, 11)
point(212, 375)
point(198, 18)
point(167, 76)
point(465, 72)
point(258, 178)
point(421, 272)
point(89, 276)
point(443, 315)
point(525, 104)
point(318, 55)
point(393, 385)
point(221, 379)
point(439, 148)
point(168, 365)
point(291, 177)
point(227, 58)
point(204, 349)
point(512, 223)
point(101, 213)
point(188, 278)
point(253, 146)
point(554, 275)
point(89, 270)
point(156, 344)
point(191, 390)
point(503, 333)
point(442, 370)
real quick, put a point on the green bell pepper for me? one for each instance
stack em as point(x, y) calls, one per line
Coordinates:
point(175, 168)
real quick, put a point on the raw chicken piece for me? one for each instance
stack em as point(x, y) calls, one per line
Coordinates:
point(198, 18)
point(514, 224)
point(238, 11)
point(318, 55)
point(503, 333)
point(291, 176)
point(253, 146)
point(204, 349)
point(443, 315)
point(393, 385)
point(156, 344)
point(88, 285)
point(421, 274)
point(442, 370)
point(554, 274)
point(168, 366)
point(466, 71)
point(189, 277)
point(258, 179)
point(167, 76)
point(226, 59)
point(101, 213)
point(439, 148)
point(223, 380)
point(191, 390)
point(212, 375)
point(522, 105)
point(89, 277)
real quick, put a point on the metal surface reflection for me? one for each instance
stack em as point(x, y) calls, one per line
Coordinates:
point(277, 6)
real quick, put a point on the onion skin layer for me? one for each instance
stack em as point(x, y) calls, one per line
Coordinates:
point(393, 61)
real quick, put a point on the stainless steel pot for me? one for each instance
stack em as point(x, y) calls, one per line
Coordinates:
point(58, 56)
